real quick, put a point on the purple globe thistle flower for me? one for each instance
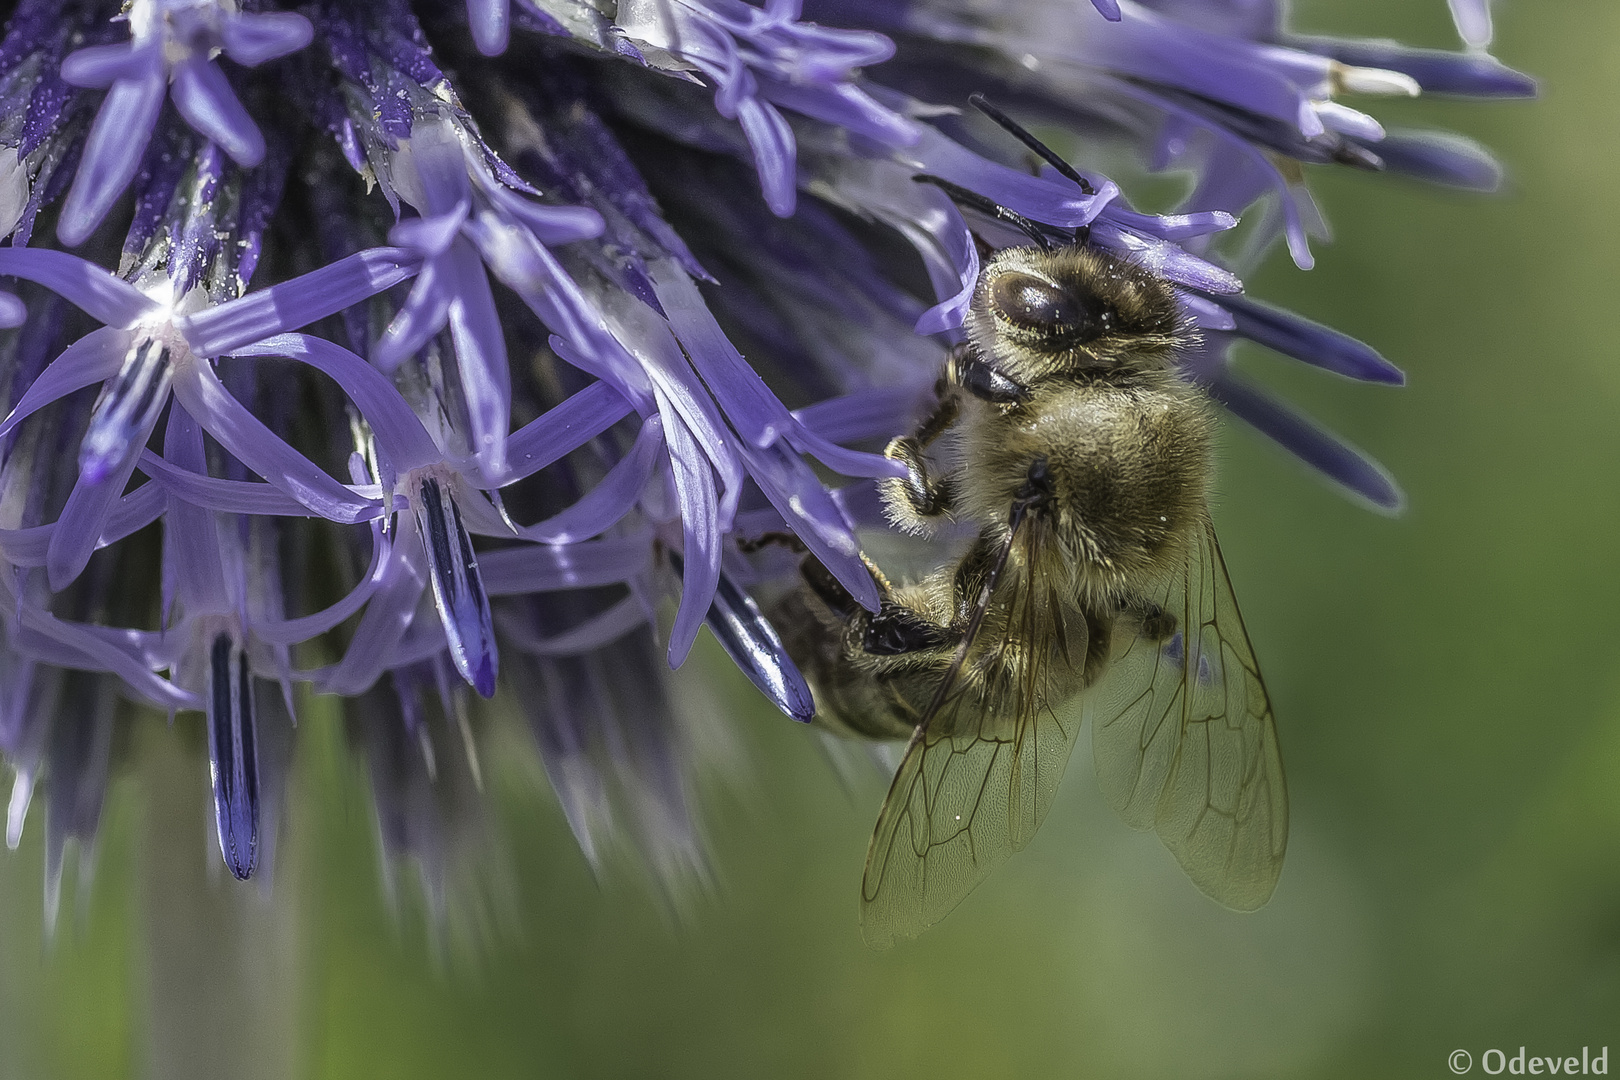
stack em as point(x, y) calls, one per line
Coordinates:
point(370, 381)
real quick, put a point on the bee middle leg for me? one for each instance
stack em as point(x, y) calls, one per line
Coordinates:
point(895, 629)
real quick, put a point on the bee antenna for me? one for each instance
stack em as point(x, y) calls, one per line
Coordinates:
point(988, 206)
point(1019, 132)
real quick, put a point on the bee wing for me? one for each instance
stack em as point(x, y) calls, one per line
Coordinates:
point(1185, 742)
point(972, 789)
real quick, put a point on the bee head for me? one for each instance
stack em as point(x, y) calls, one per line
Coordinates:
point(1075, 310)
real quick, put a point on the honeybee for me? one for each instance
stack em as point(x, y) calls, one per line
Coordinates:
point(1094, 591)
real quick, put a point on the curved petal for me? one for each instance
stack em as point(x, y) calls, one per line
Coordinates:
point(198, 389)
point(251, 38)
point(304, 628)
point(544, 568)
point(112, 152)
point(298, 302)
point(223, 496)
point(421, 316)
point(612, 497)
point(102, 296)
point(490, 21)
point(206, 101)
point(400, 434)
point(700, 531)
point(1334, 458)
point(486, 377)
point(12, 311)
point(562, 428)
point(94, 358)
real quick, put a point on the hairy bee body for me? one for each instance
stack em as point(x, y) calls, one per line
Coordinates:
point(1065, 436)
point(1126, 445)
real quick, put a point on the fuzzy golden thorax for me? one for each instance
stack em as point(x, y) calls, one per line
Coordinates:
point(1129, 469)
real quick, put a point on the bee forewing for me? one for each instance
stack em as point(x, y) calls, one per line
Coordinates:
point(959, 806)
point(1185, 742)
point(976, 782)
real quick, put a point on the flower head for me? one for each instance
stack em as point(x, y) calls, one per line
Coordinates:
point(437, 383)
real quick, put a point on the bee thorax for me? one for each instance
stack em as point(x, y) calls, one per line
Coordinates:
point(1127, 472)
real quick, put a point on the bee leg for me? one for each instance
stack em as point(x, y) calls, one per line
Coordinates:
point(913, 499)
point(831, 591)
point(897, 629)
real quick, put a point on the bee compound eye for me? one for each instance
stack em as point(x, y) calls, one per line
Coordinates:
point(1032, 303)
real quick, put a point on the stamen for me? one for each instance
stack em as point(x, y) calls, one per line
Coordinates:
point(753, 644)
point(128, 406)
point(458, 590)
point(1348, 79)
point(233, 755)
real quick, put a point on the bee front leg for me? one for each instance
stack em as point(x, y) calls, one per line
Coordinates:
point(913, 500)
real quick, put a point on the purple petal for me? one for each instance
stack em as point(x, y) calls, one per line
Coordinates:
point(134, 512)
point(298, 302)
point(798, 495)
point(99, 66)
point(610, 499)
point(1473, 19)
point(192, 561)
point(560, 429)
point(775, 154)
point(424, 314)
point(1166, 259)
point(13, 312)
point(76, 645)
point(546, 568)
point(223, 496)
point(1206, 313)
point(490, 23)
point(700, 529)
point(1108, 8)
point(206, 101)
point(387, 617)
point(308, 627)
point(129, 404)
point(844, 106)
point(1472, 74)
point(1442, 158)
point(430, 235)
point(486, 378)
point(1337, 460)
point(252, 38)
point(1311, 342)
point(84, 516)
point(398, 431)
point(840, 460)
point(102, 296)
point(867, 414)
point(198, 389)
point(112, 152)
point(553, 225)
point(94, 358)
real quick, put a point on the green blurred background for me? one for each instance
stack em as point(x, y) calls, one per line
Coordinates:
point(1448, 691)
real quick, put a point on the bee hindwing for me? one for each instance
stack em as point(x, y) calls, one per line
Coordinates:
point(1184, 739)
